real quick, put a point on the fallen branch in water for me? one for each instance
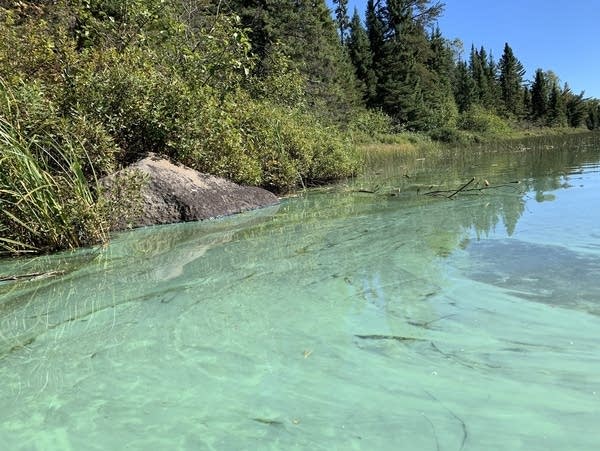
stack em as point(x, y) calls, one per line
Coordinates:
point(461, 188)
point(464, 189)
point(31, 276)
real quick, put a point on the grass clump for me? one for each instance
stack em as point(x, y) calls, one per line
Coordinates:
point(46, 201)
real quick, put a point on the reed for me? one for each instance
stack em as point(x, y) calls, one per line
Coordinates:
point(46, 202)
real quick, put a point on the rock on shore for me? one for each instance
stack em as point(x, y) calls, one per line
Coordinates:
point(175, 193)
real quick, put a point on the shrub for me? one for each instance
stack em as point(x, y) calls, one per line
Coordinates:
point(478, 119)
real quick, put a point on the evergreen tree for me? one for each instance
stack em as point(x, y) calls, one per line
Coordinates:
point(359, 51)
point(511, 80)
point(593, 117)
point(556, 115)
point(464, 87)
point(539, 95)
point(375, 33)
point(306, 34)
point(575, 107)
point(341, 18)
point(439, 94)
point(526, 102)
point(483, 72)
point(402, 70)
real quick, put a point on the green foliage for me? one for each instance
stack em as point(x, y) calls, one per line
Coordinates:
point(556, 114)
point(46, 201)
point(593, 117)
point(450, 135)
point(478, 119)
point(575, 107)
point(511, 80)
point(540, 95)
point(359, 50)
point(370, 125)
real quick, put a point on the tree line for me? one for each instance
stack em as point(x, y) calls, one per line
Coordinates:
point(407, 69)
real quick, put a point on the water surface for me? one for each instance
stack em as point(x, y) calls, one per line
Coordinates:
point(342, 319)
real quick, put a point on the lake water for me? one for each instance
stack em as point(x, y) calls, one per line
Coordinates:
point(370, 315)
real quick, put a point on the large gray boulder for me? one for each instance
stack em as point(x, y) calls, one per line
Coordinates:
point(174, 193)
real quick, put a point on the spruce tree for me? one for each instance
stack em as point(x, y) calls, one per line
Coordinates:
point(439, 93)
point(511, 80)
point(464, 87)
point(306, 34)
point(341, 18)
point(483, 72)
point(593, 116)
point(359, 51)
point(402, 71)
point(556, 115)
point(375, 33)
point(575, 107)
point(539, 95)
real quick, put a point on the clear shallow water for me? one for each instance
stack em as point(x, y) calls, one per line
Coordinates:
point(338, 320)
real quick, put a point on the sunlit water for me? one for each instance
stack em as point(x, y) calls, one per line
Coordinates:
point(339, 320)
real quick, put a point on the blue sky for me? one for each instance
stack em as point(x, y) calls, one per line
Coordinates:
point(558, 35)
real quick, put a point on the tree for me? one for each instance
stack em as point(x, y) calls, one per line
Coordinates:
point(464, 87)
point(375, 33)
point(402, 72)
point(483, 72)
point(575, 107)
point(341, 18)
point(359, 51)
point(593, 118)
point(306, 34)
point(556, 115)
point(439, 94)
point(511, 80)
point(539, 95)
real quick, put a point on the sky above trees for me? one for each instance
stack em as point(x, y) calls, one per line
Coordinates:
point(560, 35)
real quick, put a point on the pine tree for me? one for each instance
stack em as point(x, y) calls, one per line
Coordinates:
point(306, 34)
point(464, 87)
point(483, 72)
point(575, 107)
point(402, 71)
point(341, 18)
point(439, 94)
point(359, 51)
point(375, 33)
point(556, 115)
point(511, 80)
point(539, 95)
point(593, 117)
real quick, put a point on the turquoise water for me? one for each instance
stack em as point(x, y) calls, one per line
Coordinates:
point(338, 320)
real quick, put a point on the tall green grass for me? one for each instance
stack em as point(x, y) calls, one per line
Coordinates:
point(46, 202)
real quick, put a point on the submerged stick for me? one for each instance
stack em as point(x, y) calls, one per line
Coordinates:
point(388, 337)
point(460, 420)
point(461, 188)
point(31, 276)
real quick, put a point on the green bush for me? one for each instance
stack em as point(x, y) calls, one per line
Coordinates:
point(368, 125)
point(478, 119)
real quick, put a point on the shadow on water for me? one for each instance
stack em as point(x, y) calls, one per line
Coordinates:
point(537, 272)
